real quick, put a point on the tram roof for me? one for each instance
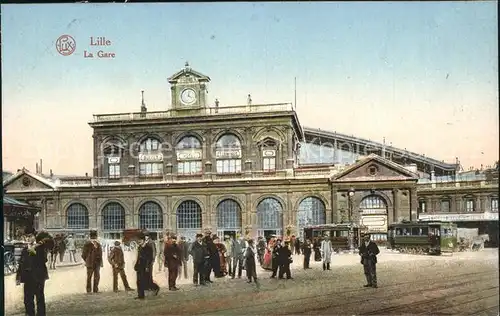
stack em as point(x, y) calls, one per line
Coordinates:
point(421, 223)
point(343, 225)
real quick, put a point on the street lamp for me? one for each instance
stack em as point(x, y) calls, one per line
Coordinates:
point(351, 195)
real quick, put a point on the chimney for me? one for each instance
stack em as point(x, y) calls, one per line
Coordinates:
point(51, 174)
point(87, 174)
point(36, 171)
point(41, 169)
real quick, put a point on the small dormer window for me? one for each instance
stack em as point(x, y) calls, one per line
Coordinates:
point(268, 149)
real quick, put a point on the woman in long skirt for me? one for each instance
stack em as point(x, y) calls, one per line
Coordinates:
point(221, 248)
point(268, 256)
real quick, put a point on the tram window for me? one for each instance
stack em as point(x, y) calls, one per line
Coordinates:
point(344, 233)
point(399, 232)
point(406, 232)
point(424, 231)
point(415, 231)
point(447, 232)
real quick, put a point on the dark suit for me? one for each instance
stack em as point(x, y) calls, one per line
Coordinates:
point(369, 261)
point(92, 255)
point(33, 272)
point(143, 266)
point(199, 252)
point(284, 254)
point(173, 261)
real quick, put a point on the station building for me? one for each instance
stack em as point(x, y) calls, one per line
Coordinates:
point(248, 168)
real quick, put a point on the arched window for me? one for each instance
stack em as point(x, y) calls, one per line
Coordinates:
point(269, 216)
point(494, 204)
point(228, 215)
point(268, 148)
point(228, 154)
point(150, 158)
point(189, 155)
point(112, 151)
point(151, 217)
point(311, 212)
point(77, 216)
point(113, 217)
point(373, 215)
point(189, 219)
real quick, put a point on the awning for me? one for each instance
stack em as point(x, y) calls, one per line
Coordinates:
point(15, 208)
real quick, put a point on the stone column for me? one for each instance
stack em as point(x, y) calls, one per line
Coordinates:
point(335, 213)
point(413, 204)
point(453, 204)
point(392, 218)
point(96, 156)
point(428, 204)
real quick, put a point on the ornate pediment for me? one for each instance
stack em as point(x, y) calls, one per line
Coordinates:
point(24, 180)
point(188, 75)
point(374, 168)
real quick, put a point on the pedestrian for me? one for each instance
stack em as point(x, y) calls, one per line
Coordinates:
point(297, 246)
point(198, 252)
point(62, 248)
point(237, 249)
point(210, 258)
point(228, 255)
point(285, 259)
point(71, 245)
point(143, 266)
point(32, 272)
point(148, 242)
point(326, 252)
point(184, 257)
point(307, 250)
point(275, 262)
point(173, 261)
point(250, 265)
point(261, 249)
point(160, 245)
point(317, 249)
point(92, 255)
point(368, 252)
point(117, 261)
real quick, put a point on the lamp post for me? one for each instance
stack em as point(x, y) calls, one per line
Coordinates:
point(351, 195)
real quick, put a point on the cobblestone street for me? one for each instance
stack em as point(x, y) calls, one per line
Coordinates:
point(465, 283)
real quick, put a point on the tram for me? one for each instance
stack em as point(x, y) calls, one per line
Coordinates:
point(423, 237)
point(343, 236)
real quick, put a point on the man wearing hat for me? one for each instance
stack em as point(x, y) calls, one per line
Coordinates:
point(199, 251)
point(173, 261)
point(368, 251)
point(143, 266)
point(151, 244)
point(32, 271)
point(183, 244)
point(92, 255)
point(117, 261)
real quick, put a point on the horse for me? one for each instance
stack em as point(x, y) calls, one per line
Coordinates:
point(478, 242)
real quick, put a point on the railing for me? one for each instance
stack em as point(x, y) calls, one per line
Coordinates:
point(456, 184)
point(239, 109)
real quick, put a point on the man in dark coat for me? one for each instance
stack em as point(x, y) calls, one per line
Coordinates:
point(284, 260)
point(199, 252)
point(368, 251)
point(238, 247)
point(173, 261)
point(33, 273)
point(92, 255)
point(143, 265)
point(250, 265)
point(210, 260)
point(306, 251)
point(275, 260)
point(185, 257)
point(151, 244)
point(117, 261)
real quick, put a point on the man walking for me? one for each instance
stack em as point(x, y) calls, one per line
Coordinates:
point(250, 265)
point(199, 251)
point(117, 261)
point(368, 252)
point(143, 267)
point(71, 245)
point(32, 271)
point(276, 258)
point(92, 255)
point(172, 253)
point(183, 245)
point(326, 251)
point(237, 249)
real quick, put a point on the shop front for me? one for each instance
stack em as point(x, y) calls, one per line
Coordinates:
point(18, 217)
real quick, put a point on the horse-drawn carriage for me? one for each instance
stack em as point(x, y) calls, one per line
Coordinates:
point(423, 237)
point(343, 236)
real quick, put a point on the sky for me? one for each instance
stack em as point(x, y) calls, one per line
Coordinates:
point(424, 75)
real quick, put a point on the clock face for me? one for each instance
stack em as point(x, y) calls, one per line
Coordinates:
point(188, 96)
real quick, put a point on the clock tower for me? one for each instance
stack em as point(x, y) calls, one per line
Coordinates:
point(188, 90)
